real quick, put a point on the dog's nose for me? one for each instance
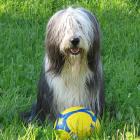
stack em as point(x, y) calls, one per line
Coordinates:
point(75, 41)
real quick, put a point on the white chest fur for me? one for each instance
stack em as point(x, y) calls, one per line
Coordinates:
point(69, 88)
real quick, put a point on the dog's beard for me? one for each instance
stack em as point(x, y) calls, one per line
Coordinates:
point(75, 64)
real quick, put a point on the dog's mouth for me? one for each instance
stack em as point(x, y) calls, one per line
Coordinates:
point(75, 51)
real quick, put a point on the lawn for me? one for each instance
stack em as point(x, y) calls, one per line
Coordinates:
point(22, 33)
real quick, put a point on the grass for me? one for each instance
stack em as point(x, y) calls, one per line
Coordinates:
point(22, 33)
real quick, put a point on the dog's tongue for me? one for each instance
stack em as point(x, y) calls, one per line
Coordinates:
point(75, 50)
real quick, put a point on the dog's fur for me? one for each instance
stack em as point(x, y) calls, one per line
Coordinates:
point(70, 79)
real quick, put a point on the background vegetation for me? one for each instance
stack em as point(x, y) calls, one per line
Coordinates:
point(22, 33)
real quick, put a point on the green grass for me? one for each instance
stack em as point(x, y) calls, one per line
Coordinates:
point(22, 33)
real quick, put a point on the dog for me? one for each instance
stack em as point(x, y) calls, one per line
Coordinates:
point(72, 69)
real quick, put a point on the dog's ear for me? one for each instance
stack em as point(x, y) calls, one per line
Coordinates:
point(94, 63)
point(94, 51)
point(56, 58)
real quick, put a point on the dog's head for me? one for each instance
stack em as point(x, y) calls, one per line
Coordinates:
point(71, 32)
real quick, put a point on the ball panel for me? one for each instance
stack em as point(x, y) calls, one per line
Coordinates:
point(71, 109)
point(61, 124)
point(76, 121)
point(62, 134)
point(81, 127)
point(91, 115)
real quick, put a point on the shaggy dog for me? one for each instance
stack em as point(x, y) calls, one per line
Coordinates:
point(72, 70)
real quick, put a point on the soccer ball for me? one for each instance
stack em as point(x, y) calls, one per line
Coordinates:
point(76, 122)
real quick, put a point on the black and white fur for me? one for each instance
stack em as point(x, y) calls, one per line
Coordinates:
point(72, 71)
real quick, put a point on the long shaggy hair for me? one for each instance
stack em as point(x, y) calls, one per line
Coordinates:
point(72, 70)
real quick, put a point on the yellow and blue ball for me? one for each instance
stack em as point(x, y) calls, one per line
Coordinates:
point(77, 122)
